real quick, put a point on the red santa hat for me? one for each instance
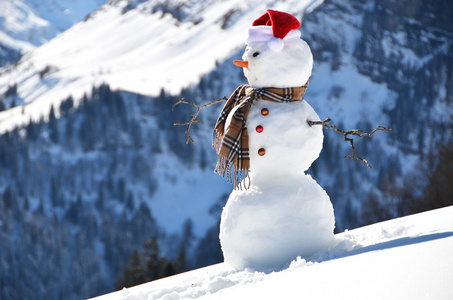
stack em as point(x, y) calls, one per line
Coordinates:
point(273, 27)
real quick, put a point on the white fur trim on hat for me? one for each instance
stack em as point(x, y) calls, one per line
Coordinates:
point(259, 34)
point(265, 34)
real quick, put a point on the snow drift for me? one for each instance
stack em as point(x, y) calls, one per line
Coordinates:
point(404, 258)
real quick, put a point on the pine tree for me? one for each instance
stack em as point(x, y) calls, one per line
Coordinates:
point(53, 126)
point(187, 234)
point(10, 201)
point(130, 203)
point(2, 105)
point(134, 272)
point(439, 192)
point(152, 259)
point(54, 193)
point(73, 213)
point(26, 203)
point(66, 106)
point(168, 269)
point(32, 130)
point(150, 265)
point(101, 197)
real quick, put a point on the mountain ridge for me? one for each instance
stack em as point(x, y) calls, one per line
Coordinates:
point(27, 24)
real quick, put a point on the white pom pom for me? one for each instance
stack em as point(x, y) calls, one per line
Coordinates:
point(275, 44)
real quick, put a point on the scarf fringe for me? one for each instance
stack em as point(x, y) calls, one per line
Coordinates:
point(232, 175)
point(217, 140)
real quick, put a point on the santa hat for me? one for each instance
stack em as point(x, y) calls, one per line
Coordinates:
point(273, 27)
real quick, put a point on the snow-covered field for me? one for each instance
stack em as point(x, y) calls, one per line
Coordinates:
point(404, 258)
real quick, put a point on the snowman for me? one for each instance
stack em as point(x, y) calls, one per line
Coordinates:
point(276, 212)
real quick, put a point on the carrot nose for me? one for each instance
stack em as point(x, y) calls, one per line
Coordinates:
point(241, 63)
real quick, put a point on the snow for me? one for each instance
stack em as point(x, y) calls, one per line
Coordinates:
point(26, 24)
point(64, 13)
point(21, 24)
point(404, 258)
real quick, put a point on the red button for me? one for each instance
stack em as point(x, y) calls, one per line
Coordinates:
point(259, 128)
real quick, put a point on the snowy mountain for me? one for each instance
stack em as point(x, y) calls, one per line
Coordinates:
point(91, 165)
point(129, 59)
point(27, 24)
point(405, 258)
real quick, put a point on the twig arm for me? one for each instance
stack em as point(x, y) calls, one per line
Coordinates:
point(356, 132)
point(195, 115)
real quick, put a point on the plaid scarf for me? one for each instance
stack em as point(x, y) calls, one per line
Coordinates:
point(232, 143)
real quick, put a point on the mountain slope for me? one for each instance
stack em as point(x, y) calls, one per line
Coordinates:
point(404, 258)
point(26, 24)
point(165, 53)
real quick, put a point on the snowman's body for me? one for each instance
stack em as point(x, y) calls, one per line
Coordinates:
point(284, 213)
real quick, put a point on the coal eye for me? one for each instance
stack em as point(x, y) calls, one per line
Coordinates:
point(256, 54)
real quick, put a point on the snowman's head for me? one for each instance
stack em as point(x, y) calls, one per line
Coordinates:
point(276, 56)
